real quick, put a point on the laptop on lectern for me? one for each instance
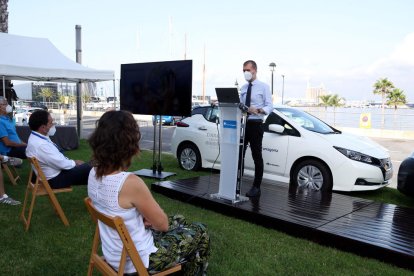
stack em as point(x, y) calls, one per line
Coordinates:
point(228, 95)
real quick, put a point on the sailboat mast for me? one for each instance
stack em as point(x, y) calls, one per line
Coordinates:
point(185, 46)
point(204, 75)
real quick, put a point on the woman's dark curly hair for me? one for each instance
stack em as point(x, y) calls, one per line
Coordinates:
point(114, 142)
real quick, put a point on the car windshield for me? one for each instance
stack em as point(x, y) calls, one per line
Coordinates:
point(306, 120)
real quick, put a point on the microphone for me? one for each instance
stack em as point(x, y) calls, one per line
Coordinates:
point(244, 108)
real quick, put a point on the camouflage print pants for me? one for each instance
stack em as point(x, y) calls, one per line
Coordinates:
point(182, 243)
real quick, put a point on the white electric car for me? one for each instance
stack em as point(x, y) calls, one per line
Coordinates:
point(298, 149)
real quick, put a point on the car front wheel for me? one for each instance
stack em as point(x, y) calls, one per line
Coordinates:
point(313, 175)
point(189, 157)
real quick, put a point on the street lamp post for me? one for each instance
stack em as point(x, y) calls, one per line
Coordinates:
point(272, 66)
point(283, 86)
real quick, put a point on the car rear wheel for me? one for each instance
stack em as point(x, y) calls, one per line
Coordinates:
point(189, 157)
point(313, 175)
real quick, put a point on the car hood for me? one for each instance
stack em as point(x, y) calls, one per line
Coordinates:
point(357, 143)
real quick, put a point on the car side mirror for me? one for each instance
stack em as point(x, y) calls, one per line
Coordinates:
point(276, 128)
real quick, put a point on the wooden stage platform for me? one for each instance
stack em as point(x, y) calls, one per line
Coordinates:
point(364, 227)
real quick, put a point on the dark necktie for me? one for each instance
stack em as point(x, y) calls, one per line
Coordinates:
point(249, 94)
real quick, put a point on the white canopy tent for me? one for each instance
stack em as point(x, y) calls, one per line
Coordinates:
point(37, 59)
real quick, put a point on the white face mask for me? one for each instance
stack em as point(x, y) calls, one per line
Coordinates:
point(248, 76)
point(52, 131)
point(9, 108)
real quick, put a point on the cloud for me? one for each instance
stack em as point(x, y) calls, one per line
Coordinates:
point(404, 52)
point(397, 66)
point(399, 60)
point(352, 83)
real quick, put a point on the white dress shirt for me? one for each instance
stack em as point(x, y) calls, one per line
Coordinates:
point(51, 160)
point(260, 98)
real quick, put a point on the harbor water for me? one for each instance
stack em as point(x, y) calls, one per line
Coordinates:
point(400, 119)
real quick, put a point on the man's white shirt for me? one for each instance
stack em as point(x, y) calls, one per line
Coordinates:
point(51, 160)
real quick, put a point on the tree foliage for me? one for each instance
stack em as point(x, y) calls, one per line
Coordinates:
point(383, 87)
point(335, 100)
point(325, 100)
point(4, 16)
point(396, 97)
point(331, 100)
point(46, 93)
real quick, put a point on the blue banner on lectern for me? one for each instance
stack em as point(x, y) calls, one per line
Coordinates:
point(229, 124)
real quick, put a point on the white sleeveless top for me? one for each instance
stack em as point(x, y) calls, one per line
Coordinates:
point(104, 195)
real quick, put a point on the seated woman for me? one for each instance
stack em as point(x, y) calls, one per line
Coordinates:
point(161, 242)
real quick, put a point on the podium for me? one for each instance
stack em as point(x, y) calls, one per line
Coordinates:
point(232, 126)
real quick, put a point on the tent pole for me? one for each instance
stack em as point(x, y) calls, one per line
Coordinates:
point(114, 94)
point(4, 87)
point(79, 108)
point(78, 32)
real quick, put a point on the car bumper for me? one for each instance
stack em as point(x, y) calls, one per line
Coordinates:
point(358, 176)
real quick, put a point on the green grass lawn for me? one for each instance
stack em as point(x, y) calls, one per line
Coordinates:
point(238, 247)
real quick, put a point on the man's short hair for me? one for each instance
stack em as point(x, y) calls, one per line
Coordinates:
point(252, 62)
point(38, 118)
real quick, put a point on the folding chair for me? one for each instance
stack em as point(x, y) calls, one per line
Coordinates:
point(11, 173)
point(128, 249)
point(38, 188)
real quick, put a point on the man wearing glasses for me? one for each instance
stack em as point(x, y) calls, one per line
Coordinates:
point(10, 143)
point(60, 171)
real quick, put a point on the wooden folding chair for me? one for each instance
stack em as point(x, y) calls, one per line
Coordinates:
point(38, 188)
point(11, 173)
point(128, 249)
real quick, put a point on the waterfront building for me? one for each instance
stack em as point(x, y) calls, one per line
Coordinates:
point(313, 93)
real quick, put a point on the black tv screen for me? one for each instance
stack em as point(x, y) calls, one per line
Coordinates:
point(157, 88)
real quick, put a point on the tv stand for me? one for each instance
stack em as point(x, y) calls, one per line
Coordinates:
point(156, 169)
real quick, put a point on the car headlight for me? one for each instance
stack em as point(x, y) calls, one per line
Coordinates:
point(357, 156)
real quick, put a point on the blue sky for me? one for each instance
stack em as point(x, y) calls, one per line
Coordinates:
point(345, 45)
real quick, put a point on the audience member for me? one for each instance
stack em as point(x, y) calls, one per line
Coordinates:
point(162, 242)
point(10, 143)
point(59, 170)
point(4, 198)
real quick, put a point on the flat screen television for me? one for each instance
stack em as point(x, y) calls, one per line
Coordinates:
point(157, 88)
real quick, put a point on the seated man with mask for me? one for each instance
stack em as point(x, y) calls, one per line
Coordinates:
point(10, 143)
point(59, 170)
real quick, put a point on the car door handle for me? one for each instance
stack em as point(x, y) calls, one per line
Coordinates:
point(202, 128)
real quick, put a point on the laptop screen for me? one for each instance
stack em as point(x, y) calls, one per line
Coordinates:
point(228, 95)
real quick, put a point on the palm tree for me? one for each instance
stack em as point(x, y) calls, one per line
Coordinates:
point(86, 98)
point(4, 16)
point(335, 101)
point(383, 87)
point(396, 97)
point(46, 93)
point(4, 28)
point(325, 100)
